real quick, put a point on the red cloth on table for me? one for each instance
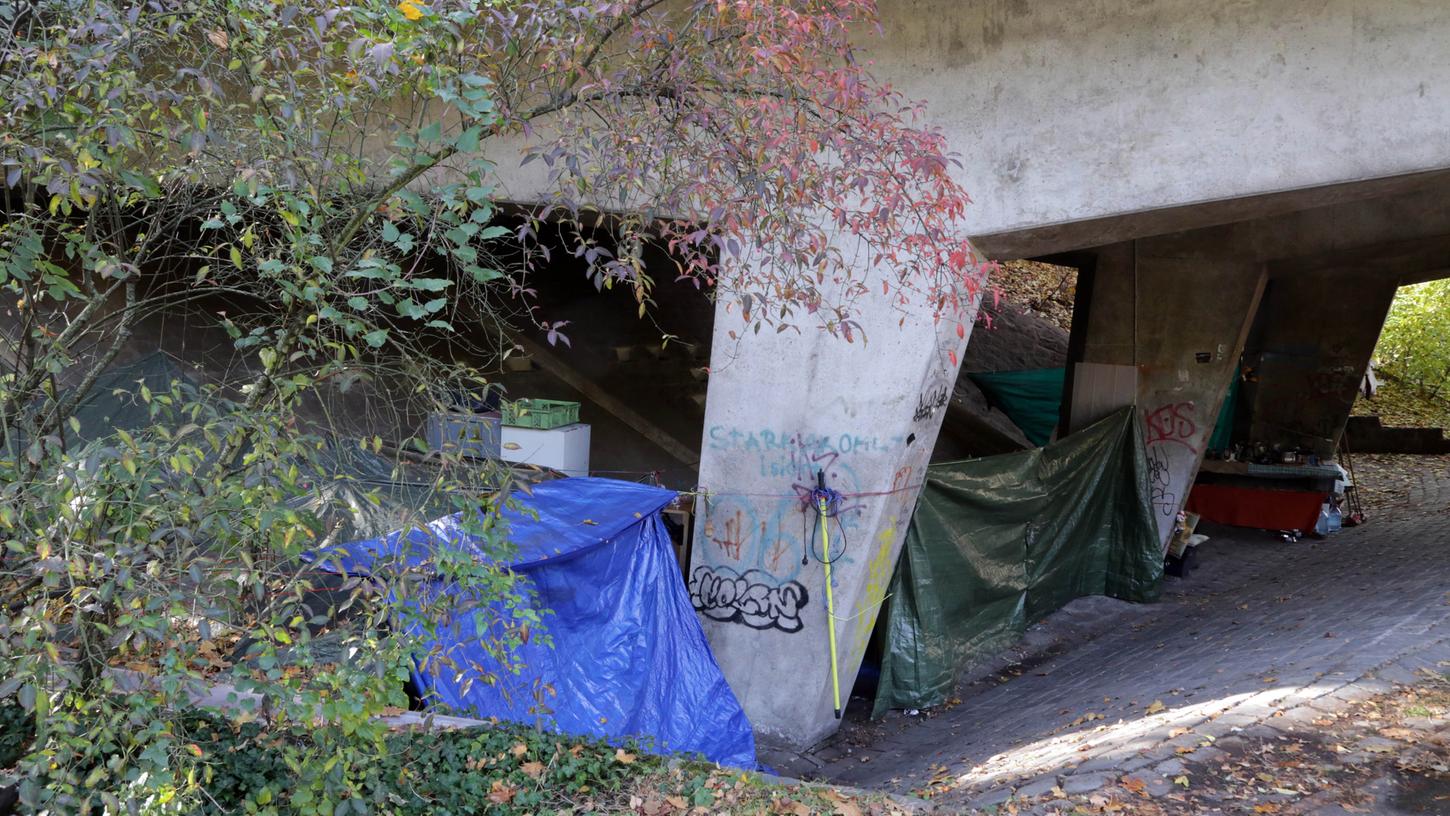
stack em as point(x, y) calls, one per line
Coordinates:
point(1265, 508)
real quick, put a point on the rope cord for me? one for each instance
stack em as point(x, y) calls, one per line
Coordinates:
point(811, 520)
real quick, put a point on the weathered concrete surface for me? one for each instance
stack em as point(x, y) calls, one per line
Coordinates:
point(1084, 125)
point(1181, 320)
point(1368, 434)
point(1311, 343)
point(781, 408)
point(1179, 308)
point(1263, 636)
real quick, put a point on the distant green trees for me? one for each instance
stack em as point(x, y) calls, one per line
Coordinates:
point(1415, 344)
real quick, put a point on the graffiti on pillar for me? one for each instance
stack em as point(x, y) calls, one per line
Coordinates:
point(752, 598)
point(734, 537)
point(1165, 501)
point(1173, 424)
point(1173, 442)
point(878, 579)
point(764, 531)
point(933, 398)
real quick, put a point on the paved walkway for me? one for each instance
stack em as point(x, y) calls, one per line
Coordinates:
point(1265, 636)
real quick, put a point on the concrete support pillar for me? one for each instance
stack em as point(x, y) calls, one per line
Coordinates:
point(782, 407)
point(1178, 311)
point(1311, 343)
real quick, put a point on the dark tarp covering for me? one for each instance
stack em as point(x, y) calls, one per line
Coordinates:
point(998, 543)
point(628, 656)
point(1032, 399)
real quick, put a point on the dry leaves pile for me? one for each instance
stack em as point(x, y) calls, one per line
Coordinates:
point(1388, 480)
point(724, 792)
point(1401, 405)
point(1044, 289)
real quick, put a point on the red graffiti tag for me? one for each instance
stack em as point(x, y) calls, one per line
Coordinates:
point(1173, 423)
point(735, 537)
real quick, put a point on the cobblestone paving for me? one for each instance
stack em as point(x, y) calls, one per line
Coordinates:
point(1265, 635)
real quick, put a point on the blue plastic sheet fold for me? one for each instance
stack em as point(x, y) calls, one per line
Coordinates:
point(628, 657)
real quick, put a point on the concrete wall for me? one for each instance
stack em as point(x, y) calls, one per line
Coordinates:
point(1179, 314)
point(1068, 111)
point(781, 407)
point(1182, 308)
point(1308, 352)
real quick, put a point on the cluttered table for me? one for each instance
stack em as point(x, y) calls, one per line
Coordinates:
point(1256, 470)
point(1267, 496)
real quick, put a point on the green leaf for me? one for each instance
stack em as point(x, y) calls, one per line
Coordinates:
point(376, 338)
point(468, 140)
point(431, 132)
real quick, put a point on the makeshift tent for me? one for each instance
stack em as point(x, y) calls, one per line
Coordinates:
point(1032, 399)
point(997, 543)
point(628, 657)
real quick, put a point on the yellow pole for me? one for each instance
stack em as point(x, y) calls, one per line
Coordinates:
point(830, 607)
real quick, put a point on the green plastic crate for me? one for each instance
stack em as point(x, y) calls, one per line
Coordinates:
point(540, 413)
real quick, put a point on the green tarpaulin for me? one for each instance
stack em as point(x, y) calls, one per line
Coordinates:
point(997, 543)
point(1031, 399)
point(1223, 431)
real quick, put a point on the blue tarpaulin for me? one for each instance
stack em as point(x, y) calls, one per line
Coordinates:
point(628, 657)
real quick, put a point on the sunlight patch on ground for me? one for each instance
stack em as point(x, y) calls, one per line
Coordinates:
point(1078, 740)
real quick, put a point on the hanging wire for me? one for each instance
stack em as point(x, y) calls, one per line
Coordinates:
point(812, 518)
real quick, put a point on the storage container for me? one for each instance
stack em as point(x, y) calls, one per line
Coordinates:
point(564, 449)
point(540, 413)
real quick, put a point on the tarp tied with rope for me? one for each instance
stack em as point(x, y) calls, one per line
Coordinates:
point(997, 543)
point(628, 657)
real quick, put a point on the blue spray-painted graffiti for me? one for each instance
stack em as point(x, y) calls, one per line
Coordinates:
point(767, 532)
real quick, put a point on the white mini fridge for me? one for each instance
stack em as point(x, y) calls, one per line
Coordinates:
point(565, 449)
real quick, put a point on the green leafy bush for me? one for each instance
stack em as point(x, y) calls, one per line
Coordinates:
point(1415, 343)
point(16, 730)
point(503, 769)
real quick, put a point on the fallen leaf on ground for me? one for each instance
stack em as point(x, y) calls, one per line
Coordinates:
point(1135, 785)
point(500, 793)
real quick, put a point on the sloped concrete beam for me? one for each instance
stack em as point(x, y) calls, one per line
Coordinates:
point(781, 409)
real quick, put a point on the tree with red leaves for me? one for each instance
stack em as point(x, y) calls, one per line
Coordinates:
point(748, 136)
